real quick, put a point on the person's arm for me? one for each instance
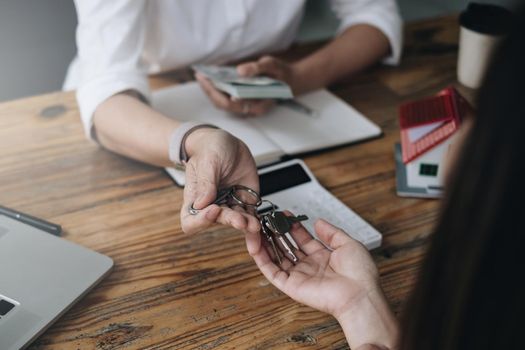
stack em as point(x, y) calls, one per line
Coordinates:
point(357, 48)
point(342, 281)
point(370, 322)
point(370, 32)
point(110, 40)
point(127, 126)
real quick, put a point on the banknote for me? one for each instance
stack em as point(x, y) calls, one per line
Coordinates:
point(226, 79)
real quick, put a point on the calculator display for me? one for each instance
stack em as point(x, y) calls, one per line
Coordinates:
point(283, 178)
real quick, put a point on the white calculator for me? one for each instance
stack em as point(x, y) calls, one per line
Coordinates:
point(292, 186)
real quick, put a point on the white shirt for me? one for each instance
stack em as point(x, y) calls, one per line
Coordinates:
point(120, 42)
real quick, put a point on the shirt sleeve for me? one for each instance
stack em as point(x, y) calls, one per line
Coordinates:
point(382, 14)
point(110, 40)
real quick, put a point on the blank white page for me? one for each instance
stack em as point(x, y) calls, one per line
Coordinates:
point(334, 123)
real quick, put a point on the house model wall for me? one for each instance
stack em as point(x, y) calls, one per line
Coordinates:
point(428, 129)
point(428, 170)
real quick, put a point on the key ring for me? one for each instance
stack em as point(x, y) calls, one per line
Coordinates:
point(224, 196)
point(250, 191)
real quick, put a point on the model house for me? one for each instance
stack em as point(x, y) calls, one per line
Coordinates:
point(428, 128)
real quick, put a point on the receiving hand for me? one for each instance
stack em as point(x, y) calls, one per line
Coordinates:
point(217, 160)
point(342, 281)
point(268, 66)
point(327, 280)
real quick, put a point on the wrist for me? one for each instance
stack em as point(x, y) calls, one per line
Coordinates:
point(309, 75)
point(300, 82)
point(197, 138)
point(184, 141)
point(370, 321)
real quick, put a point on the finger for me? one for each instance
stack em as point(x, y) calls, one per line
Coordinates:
point(253, 224)
point(238, 220)
point(204, 188)
point(260, 107)
point(306, 242)
point(248, 69)
point(200, 190)
point(192, 189)
point(333, 236)
point(254, 241)
point(205, 218)
point(242, 107)
point(250, 107)
point(268, 65)
point(219, 99)
point(272, 272)
point(265, 65)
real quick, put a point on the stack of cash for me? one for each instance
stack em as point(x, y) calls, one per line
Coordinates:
point(226, 79)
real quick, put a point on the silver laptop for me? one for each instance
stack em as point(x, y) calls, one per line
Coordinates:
point(41, 276)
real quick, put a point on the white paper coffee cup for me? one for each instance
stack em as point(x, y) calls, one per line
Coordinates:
point(475, 51)
point(482, 29)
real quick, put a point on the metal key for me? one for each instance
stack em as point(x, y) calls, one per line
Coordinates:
point(280, 224)
point(283, 224)
point(269, 239)
point(223, 196)
point(280, 237)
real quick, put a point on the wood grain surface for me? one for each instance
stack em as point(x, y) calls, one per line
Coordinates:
point(173, 291)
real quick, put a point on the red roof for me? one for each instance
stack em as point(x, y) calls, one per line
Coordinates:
point(447, 108)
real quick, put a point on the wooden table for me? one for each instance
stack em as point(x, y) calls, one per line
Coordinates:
point(173, 291)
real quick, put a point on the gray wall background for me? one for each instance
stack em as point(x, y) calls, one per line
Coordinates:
point(37, 37)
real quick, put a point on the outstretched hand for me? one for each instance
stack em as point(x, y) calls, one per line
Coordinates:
point(217, 160)
point(340, 278)
point(328, 280)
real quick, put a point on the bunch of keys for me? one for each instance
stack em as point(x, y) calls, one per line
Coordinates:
point(275, 225)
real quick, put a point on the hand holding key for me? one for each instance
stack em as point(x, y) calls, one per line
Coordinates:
point(217, 160)
point(342, 281)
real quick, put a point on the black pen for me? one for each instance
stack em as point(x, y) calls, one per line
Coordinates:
point(32, 221)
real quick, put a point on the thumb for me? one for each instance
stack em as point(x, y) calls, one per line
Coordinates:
point(248, 69)
point(206, 196)
point(268, 65)
point(331, 235)
point(201, 185)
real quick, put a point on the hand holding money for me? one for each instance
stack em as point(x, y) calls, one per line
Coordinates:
point(251, 88)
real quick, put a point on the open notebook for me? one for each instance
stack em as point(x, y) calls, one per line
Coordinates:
point(284, 131)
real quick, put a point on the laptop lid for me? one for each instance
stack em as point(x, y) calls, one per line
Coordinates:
point(41, 276)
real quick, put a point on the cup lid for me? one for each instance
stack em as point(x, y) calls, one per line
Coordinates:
point(486, 19)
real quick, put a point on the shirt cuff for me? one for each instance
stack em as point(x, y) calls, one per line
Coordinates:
point(390, 26)
point(92, 93)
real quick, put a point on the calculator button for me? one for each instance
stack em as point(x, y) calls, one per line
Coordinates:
point(5, 307)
